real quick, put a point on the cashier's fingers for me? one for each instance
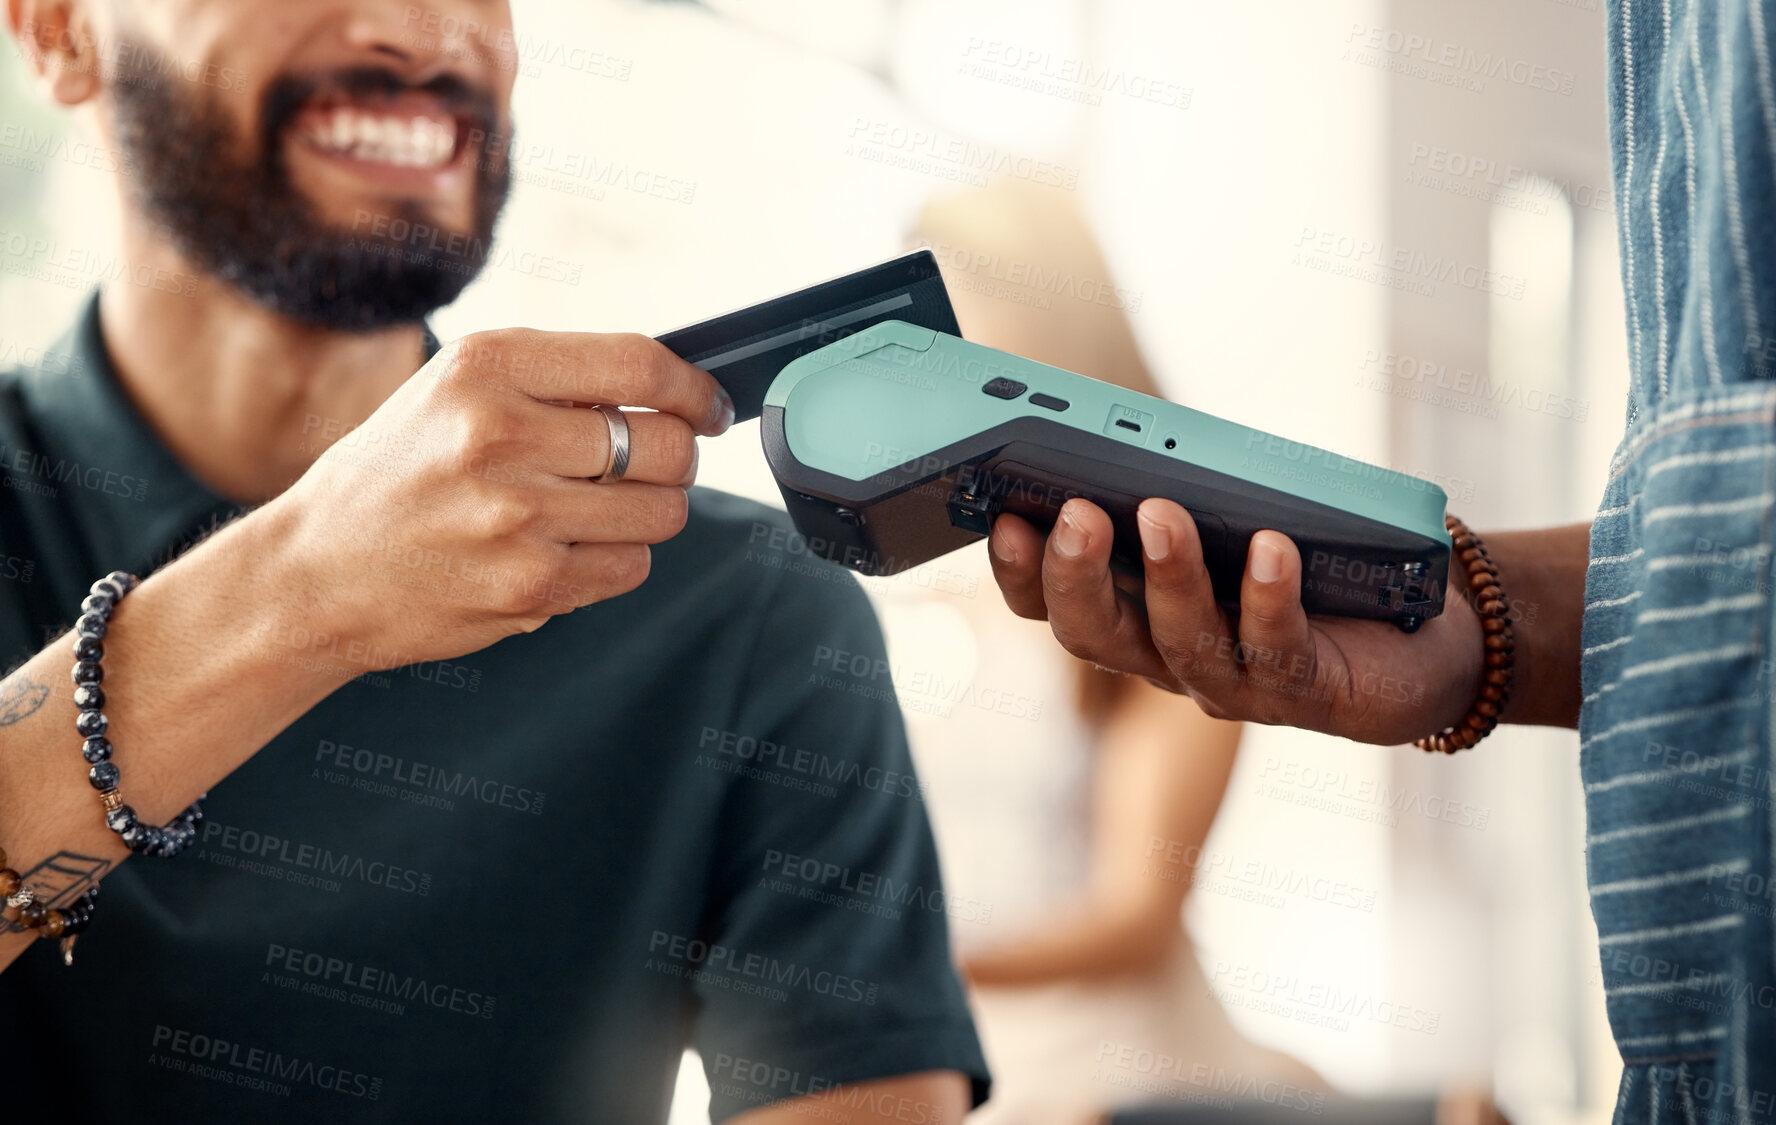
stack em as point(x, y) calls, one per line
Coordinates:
point(1087, 614)
point(1275, 640)
point(1189, 630)
point(1015, 550)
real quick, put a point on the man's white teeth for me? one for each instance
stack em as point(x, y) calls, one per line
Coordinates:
point(411, 142)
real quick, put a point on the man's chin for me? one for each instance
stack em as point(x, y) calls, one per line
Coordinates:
point(390, 222)
point(348, 315)
point(341, 282)
point(361, 266)
point(354, 209)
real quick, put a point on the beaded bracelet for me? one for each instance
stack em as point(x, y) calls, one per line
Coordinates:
point(95, 617)
point(22, 907)
point(1495, 680)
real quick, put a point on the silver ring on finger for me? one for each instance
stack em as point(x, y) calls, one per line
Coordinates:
point(619, 444)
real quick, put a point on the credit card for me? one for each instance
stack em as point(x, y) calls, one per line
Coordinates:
point(746, 349)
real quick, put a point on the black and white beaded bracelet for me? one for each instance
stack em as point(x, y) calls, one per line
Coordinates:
point(89, 631)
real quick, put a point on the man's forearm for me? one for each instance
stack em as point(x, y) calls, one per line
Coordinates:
point(200, 673)
point(1543, 573)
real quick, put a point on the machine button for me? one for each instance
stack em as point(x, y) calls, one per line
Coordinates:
point(1005, 388)
point(1050, 401)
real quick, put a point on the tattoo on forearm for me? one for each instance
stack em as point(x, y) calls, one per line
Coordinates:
point(20, 697)
point(61, 879)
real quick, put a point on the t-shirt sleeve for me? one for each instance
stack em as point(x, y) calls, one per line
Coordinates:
point(829, 958)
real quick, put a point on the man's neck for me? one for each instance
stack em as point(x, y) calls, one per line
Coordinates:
point(243, 398)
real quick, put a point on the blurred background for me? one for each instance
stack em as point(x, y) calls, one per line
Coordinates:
point(1384, 227)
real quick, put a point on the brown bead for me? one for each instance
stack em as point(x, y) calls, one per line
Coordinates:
point(1498, 676)
point(1475, 723)
point(1499, 659)
point(1492, 693)
point(1471, 554)
point(53, 923)
point(33, 914)
point(1486, 707)
point(1499, 642)
point(9, 882)
point(11, 913)
point(1494, 624)
point(1489, 593)
point(1463, 541)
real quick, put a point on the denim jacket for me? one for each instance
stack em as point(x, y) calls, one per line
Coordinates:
point(1676, 669)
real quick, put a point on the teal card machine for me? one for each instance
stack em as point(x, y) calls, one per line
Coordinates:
point(900, 443)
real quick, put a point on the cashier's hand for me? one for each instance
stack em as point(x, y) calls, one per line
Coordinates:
point(1361, 679)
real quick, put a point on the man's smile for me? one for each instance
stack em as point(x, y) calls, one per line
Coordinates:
point(411, 140)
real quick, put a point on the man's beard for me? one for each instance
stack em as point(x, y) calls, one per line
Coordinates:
point(236, 215)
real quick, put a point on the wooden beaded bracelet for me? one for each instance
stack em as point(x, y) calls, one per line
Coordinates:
point(1488, 595)
point(23, 907)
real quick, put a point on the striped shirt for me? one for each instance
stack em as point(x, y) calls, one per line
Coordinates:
point(1676, 671)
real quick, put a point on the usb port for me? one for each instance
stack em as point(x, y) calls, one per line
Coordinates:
point(1125, 423)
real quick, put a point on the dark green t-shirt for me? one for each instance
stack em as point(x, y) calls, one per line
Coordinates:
point(507, 887)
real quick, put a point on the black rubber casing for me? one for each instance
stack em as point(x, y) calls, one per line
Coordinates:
point(1352, 566)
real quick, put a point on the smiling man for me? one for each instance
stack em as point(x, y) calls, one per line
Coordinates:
point(452, 865)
